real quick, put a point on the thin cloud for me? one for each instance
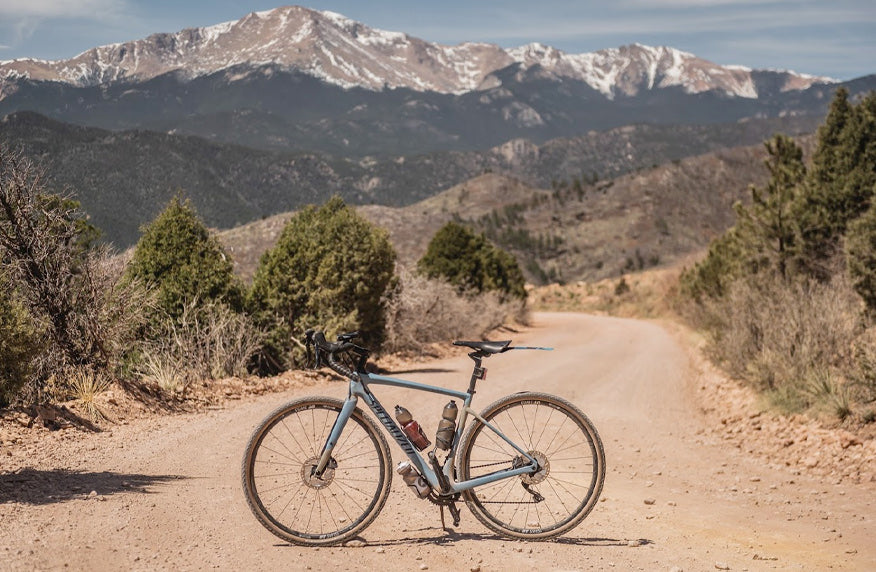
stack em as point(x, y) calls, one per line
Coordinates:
point(90, 9)
point(21, 19)
point(703, 3)
point(659, 23)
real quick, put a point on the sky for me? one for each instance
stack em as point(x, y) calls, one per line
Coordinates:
point(833, 38)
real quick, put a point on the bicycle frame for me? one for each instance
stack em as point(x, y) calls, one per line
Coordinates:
point(359, 388)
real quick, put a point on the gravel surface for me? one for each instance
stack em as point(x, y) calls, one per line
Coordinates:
point(698, 478)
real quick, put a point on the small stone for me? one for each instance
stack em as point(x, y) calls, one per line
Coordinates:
point(848, 440)
point(649, 483)
point(380, 550)
point(676, 569)
point(634, 543)
point(649, 501)
point(754, 479)
point(671, 503)
point(722, 566)
point(92, 495)
point(355, 543)
point(424, 566)
point(475, 568)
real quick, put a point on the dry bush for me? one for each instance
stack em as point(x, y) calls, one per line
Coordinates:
point(85, 313)
point(422, 310)
point(110, 313)
point(863, 370)
point(793, 339)
point(208, 341)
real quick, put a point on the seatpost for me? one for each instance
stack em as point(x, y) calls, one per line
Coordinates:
point(478, 372)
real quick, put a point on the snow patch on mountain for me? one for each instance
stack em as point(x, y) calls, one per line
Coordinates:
point(350, 54)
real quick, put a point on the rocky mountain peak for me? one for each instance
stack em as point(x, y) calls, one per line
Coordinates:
point(348, 53)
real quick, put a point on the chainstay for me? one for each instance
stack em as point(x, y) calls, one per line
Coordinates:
point(501, 502)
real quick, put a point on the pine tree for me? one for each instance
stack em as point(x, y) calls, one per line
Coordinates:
point(861, 256)
point(841, 182)
point(767, 228)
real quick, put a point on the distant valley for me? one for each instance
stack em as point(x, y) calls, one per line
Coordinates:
point(652, 217)
point(124, 179)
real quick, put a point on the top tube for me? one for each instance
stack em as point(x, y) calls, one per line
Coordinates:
point(367, 378)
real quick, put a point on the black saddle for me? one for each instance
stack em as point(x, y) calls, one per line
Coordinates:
point(485, 347)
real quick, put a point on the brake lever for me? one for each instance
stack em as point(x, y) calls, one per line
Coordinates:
point(308, 346)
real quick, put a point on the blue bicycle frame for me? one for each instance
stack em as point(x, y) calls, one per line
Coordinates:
point(359, 388)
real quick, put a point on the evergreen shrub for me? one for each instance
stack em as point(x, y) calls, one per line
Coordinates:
point(329, 269)
point(469, 261)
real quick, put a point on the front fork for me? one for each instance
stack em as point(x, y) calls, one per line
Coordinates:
point(341, 422)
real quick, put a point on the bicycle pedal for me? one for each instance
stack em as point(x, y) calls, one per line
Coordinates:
point(454, 512)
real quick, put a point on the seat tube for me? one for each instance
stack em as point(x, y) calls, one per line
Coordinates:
point(337, 429)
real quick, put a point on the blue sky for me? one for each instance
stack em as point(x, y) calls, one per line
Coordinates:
point(836, 38)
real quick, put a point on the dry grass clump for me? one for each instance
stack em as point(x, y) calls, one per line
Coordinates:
point(421, 310)
point(803, 343)
point(85, 384)
point(208, 341)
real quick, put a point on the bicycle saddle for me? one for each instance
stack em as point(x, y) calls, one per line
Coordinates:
point(486, 347)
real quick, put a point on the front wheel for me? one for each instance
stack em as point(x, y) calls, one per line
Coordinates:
point(571, 466)
point(289, 500)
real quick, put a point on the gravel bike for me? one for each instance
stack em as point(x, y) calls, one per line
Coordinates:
point(317, 471)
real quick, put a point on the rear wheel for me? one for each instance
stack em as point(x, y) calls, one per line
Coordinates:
point(571, 466)
point(298, 507)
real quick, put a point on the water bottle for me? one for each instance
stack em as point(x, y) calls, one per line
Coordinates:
point(447, 426)
point(411, 428)
point(414, 479)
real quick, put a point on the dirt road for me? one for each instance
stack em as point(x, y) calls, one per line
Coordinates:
point(168, 494)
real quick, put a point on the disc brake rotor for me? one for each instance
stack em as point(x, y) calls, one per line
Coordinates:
point(544, 468)
point(311, 480)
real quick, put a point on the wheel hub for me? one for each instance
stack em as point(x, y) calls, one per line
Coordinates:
point(311, 480)
point(544, 468)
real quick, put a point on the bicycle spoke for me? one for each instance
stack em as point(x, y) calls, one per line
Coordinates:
point(304, 509)
point(562, 441)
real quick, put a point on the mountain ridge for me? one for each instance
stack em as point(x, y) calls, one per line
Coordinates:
point(348, 53)
point(124, 178)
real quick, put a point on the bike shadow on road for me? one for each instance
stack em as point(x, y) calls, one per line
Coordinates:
point(40, 487)
point(450, 537)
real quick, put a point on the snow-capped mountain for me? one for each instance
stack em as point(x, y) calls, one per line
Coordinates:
point(349, 54)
